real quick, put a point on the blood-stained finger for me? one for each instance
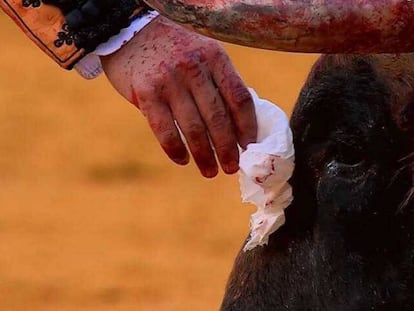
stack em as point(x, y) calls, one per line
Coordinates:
point(217, 119)
point(162, 123)
point(237, 97)
point(195, 132)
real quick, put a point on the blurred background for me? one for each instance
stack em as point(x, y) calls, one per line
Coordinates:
point(93, 216)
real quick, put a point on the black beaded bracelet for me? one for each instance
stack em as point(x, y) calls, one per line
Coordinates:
point(92, 22)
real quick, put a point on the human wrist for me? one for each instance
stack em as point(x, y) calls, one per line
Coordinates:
point(90, 66)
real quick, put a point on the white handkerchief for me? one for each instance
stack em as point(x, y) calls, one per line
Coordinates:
point(265, 168)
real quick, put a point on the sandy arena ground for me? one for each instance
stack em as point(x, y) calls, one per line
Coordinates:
point(92, 214)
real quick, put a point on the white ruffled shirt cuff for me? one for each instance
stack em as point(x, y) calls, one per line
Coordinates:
point(90, 66)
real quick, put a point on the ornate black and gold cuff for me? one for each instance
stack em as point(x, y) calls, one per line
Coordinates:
point(69, 29)
point(92, 22)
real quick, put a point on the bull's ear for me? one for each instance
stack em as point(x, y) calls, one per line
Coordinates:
point(336, 26)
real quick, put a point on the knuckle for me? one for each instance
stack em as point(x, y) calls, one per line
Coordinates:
point(146, 93)
point(226, 148)
point(193, 60)
point(158, 89)
point(218, 52)
point(189, 63)
point(167, 75)
point(222, 60)
point(240, 97)
point(218, 120)
point(194, 131)
point(165, 133)
point(212, 45)
point(200, 77)
point(157, 80)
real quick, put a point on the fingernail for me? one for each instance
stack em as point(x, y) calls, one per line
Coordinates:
point(182, 161)
point(231, 168)
point(210, 173)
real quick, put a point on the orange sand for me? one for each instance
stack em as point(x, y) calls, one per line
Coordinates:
point(92, 214)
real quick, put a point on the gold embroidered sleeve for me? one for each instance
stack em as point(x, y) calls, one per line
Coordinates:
point(45, 26)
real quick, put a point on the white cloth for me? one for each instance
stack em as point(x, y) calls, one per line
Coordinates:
point(90, 66)
point(265, 168)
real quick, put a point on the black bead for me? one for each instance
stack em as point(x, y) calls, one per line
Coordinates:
point(58, 43)
point(91, 8)
point(33, 3)
point(75, 19)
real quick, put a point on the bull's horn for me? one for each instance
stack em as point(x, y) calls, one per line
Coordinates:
point(313, 26)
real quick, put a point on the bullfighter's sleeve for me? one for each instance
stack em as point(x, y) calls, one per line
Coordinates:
point(68, 30)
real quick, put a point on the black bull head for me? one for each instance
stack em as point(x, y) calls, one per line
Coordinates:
point(348, 241)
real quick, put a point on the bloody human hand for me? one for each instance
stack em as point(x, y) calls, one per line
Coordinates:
point(175, 76)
